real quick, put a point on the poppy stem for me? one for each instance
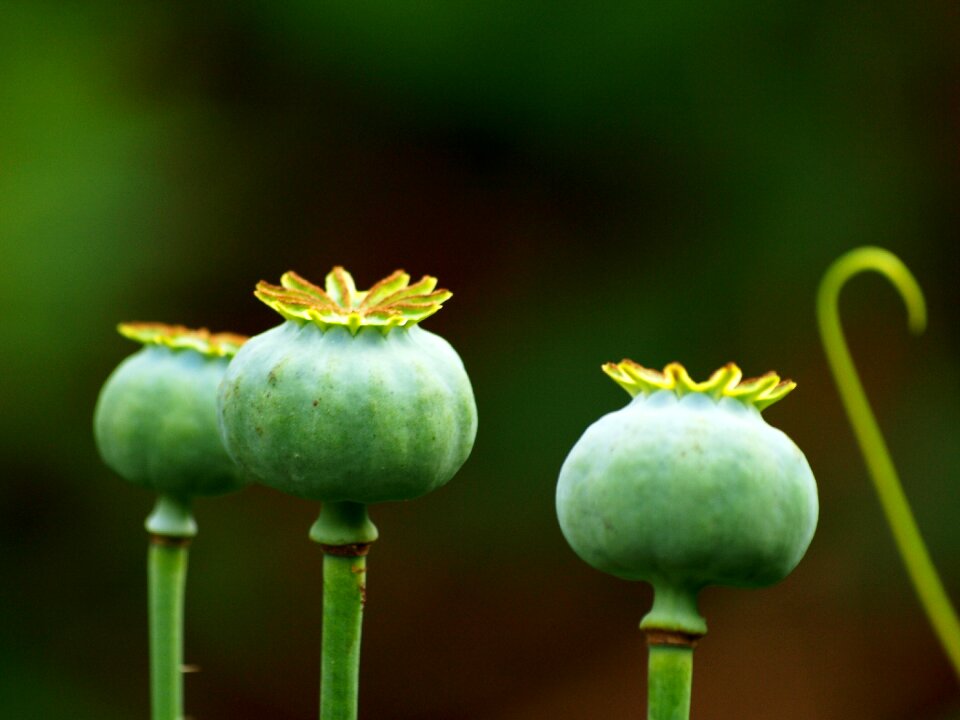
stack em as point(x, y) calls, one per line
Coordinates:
point(171, 528)
point(670, 675)
point(344, 531)
point(344, 591)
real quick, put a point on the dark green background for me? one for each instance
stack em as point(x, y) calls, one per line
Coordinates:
point(660, 180)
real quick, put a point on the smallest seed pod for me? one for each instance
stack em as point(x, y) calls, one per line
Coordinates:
point(688, 486)
point(155, 422)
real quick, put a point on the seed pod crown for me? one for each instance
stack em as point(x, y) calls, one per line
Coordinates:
point(391, 302)
point(179, 337)
point(760, 392)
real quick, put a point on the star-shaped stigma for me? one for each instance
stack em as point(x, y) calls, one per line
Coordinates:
point(179, 337)
point(760, 392)
point(392, 302)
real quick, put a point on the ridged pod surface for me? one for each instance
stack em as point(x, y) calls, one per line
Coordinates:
point(349, 400)
point(155, 421)
point(688, 486)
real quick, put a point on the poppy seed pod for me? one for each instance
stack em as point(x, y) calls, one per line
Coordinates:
point(349, 403)
point(349, 400)
point(155, 422)
point(688, 486)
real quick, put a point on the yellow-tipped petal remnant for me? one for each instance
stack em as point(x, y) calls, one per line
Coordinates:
point(760, 392)
point(179, 337)
point(391, 302)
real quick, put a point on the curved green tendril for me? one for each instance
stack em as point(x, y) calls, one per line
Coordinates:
point(905, 532)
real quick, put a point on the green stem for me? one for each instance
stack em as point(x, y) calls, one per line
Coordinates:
point(912, 549)
point(344, 590)
point(168, 576)
point(344, 531)
point(171, 526)
point(670, 675)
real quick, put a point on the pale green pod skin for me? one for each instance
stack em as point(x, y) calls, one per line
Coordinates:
point(332, 416)
point(685, 492)
point(156, 425)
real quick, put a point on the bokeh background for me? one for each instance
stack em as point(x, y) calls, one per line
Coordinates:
point(662, 181)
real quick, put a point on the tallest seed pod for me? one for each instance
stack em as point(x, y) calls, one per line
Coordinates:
point(349, 402)
point(687, 486)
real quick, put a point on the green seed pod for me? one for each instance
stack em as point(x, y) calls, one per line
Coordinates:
point(155, 421)
point(155, 424)
point(688, 486)
point(350, 403)
point(349, 400)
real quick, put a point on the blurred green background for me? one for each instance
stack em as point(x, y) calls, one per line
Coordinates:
point(661, 181)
